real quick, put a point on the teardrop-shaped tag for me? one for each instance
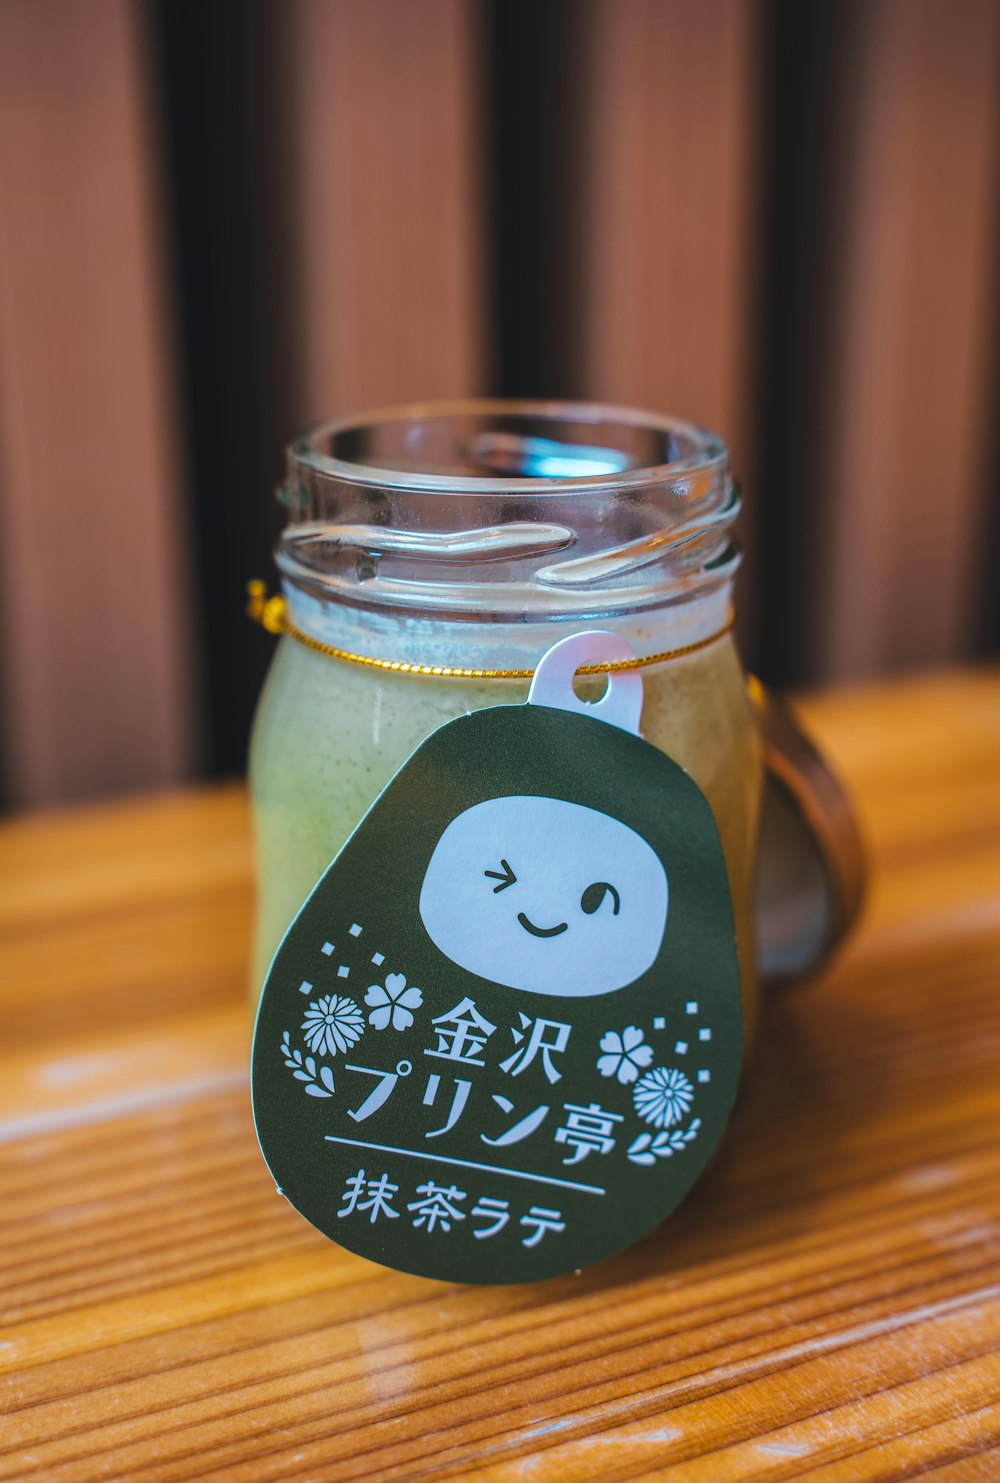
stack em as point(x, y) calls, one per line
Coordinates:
point(503, 1035)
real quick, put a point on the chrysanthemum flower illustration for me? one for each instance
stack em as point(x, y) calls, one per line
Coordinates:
point(663, 1097)
point(393, 1003)
point(331, 1024)
point(624, 1054)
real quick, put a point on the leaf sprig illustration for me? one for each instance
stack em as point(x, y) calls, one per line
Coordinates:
point(646, 1149)
point(318, 1080)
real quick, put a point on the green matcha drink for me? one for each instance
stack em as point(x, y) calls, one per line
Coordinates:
point(404, 544)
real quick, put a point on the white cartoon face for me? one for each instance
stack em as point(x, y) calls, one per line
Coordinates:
point(546, 896)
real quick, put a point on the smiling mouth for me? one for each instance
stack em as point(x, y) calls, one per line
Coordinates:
point(540, 931)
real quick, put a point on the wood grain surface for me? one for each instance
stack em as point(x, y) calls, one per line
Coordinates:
point(826, 1305)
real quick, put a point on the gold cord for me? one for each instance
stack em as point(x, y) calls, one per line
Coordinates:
point(272, 614)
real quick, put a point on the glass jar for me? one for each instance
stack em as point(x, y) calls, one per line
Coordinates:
point(475, 535)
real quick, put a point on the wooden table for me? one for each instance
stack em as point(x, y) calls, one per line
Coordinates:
point(826, 1305)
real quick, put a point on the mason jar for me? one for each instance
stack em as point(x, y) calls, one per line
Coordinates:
point(432, 554)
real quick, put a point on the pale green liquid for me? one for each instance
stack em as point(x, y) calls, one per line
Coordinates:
point(329, 736)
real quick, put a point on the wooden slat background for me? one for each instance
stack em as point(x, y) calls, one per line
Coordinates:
point(908, 443)
point(838, 321)
point(96, 665)
point(673, 141)
point(669, 241)
point(388, 201)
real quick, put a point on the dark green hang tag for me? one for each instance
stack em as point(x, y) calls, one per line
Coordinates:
point(503, 1035)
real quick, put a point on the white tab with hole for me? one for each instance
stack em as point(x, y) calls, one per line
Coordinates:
point(552, 685)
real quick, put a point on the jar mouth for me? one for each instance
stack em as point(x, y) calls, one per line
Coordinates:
point(508, 510)
point(490, 446)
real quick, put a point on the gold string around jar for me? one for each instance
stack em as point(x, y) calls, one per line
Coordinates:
point(271, 612)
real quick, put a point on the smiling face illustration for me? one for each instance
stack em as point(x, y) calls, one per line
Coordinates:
point(546, 896)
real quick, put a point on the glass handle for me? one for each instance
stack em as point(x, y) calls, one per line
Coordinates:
point(811, 867)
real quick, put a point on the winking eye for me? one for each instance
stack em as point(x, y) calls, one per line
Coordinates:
point(506, 877)
point(593, 897)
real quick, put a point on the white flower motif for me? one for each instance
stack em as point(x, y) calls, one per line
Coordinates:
point(663, 1097)
point(393, 1003)
point(623, 1055)
point(331, 1024)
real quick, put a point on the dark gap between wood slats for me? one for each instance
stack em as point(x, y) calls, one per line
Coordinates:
point(224, 77)
point(534, 63)
point(802, 151)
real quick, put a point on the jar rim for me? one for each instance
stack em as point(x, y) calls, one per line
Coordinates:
point(701, 450)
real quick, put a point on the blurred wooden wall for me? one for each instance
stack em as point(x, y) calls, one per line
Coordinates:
point(672, 209)
point(880, 465)
point(392, 267)
point(97, 647)
point(220, 219)
point(906, 446)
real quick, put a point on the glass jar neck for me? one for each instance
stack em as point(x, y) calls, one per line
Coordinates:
point(468, 643)
point(491, 528)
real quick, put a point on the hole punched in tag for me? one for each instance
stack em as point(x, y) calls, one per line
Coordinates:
point(557, 678)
